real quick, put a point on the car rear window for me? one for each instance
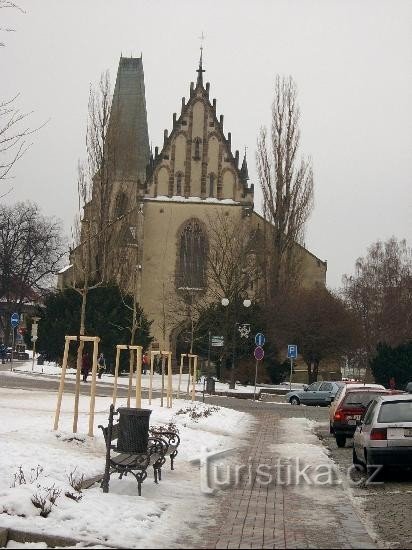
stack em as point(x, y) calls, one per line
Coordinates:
point(396, 411)
point(361, 398)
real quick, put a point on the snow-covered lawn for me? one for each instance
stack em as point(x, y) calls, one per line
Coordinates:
point(165, 513)
point(51, 369)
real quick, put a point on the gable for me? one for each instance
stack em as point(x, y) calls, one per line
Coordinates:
point(196, 159)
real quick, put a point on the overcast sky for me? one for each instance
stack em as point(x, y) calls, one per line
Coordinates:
point(351, 60)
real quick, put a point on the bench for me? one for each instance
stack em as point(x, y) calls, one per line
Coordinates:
point(135, 462)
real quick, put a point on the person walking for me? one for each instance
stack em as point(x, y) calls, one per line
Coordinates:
point(3, 353)
point(102, 365)
point(145, 362)
point(86, 365)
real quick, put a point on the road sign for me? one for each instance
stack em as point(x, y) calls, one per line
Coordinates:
point(15, 320)
point(259, 353)
point(217, 341)
point(292, 351)
point(260, 339)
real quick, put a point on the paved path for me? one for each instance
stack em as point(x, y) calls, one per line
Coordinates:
point(279, 516)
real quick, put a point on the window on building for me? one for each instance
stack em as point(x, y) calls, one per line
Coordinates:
point(212, 185)
point(192, 256)
point(121, 204)
point(196, 155)
point(179, 178)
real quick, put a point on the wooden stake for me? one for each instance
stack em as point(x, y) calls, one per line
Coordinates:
point(93, 385)
point(180, 375)
point(139, 377)
point(163, 380)
point(61, 385)
point(169, 380)
point(77, 388)
point(152, 354)
point(129, 390)
point(188, 376)
point(116, 374)
point(194, 377)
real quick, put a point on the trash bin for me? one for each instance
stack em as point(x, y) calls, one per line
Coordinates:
point(133, 430)
point(210, 385)
point(40, 359)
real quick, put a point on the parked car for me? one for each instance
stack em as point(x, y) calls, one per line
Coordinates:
point(409, 387)
point(318, 393)
point(384, 436)
point(351, 410)
point(341, 394)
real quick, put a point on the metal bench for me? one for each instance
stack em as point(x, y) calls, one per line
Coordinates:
point(134, 452)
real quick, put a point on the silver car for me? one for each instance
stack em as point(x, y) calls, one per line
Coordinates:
point(318, 393)
point(384, 436)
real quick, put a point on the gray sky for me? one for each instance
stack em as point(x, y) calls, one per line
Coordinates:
point(351, 60)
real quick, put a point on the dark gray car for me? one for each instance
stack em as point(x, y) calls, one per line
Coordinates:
point(318, 393)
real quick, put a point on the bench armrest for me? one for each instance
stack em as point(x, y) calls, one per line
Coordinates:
point(157, 445)
point(172, 437)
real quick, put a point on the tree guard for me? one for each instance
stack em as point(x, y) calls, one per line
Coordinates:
point(132, 349)
point(68, 339)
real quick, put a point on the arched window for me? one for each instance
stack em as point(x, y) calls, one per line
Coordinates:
point(212, 179)
point(192, 256)
point(179, 177)
point(121, 204)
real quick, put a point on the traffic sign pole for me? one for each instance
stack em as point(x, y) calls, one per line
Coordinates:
point(291, 374)
point(254, 393)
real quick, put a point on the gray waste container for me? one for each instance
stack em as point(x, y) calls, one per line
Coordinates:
point(133, 430)
point(40, 359)
point(210, 385)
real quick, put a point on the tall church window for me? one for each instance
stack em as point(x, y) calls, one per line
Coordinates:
point(196, 155)
point(179, 177)
point(192, 256)
point(212, 179)
point(121, 204)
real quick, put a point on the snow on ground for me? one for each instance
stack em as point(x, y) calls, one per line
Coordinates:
point(164, 514)
point(51, 369)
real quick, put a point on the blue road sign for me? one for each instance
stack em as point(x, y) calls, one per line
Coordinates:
point(260, 339)
point(259, 353)
point(292, 351)
point(15, 320)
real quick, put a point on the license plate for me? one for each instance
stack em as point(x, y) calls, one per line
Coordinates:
point(354, 417)
point(352, 422)
point(408, 432)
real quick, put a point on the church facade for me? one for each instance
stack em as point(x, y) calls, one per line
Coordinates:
point(161, 204)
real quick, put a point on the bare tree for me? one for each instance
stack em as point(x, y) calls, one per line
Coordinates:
point(31, 250)
point(287, 186)
point(380, 293)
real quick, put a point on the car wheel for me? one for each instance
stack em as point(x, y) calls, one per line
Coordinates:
point(340, 440)
point(373, 475)
point(355, 458)
point(294, 401)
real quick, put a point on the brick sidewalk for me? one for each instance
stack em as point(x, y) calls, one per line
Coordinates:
point(277, 516)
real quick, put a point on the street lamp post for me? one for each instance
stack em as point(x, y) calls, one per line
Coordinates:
point(246, 303)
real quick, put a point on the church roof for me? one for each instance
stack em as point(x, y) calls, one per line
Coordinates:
point(128, 120)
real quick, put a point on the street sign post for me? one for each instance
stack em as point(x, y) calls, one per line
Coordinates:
point(259, 354)
point(34, 338)
point(292, 354)
point(14, 321)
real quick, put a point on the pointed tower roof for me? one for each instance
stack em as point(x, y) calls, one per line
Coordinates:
point(244, 174)
point(128, 120)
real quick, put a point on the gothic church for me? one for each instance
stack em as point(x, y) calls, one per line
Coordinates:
point(160, 204)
